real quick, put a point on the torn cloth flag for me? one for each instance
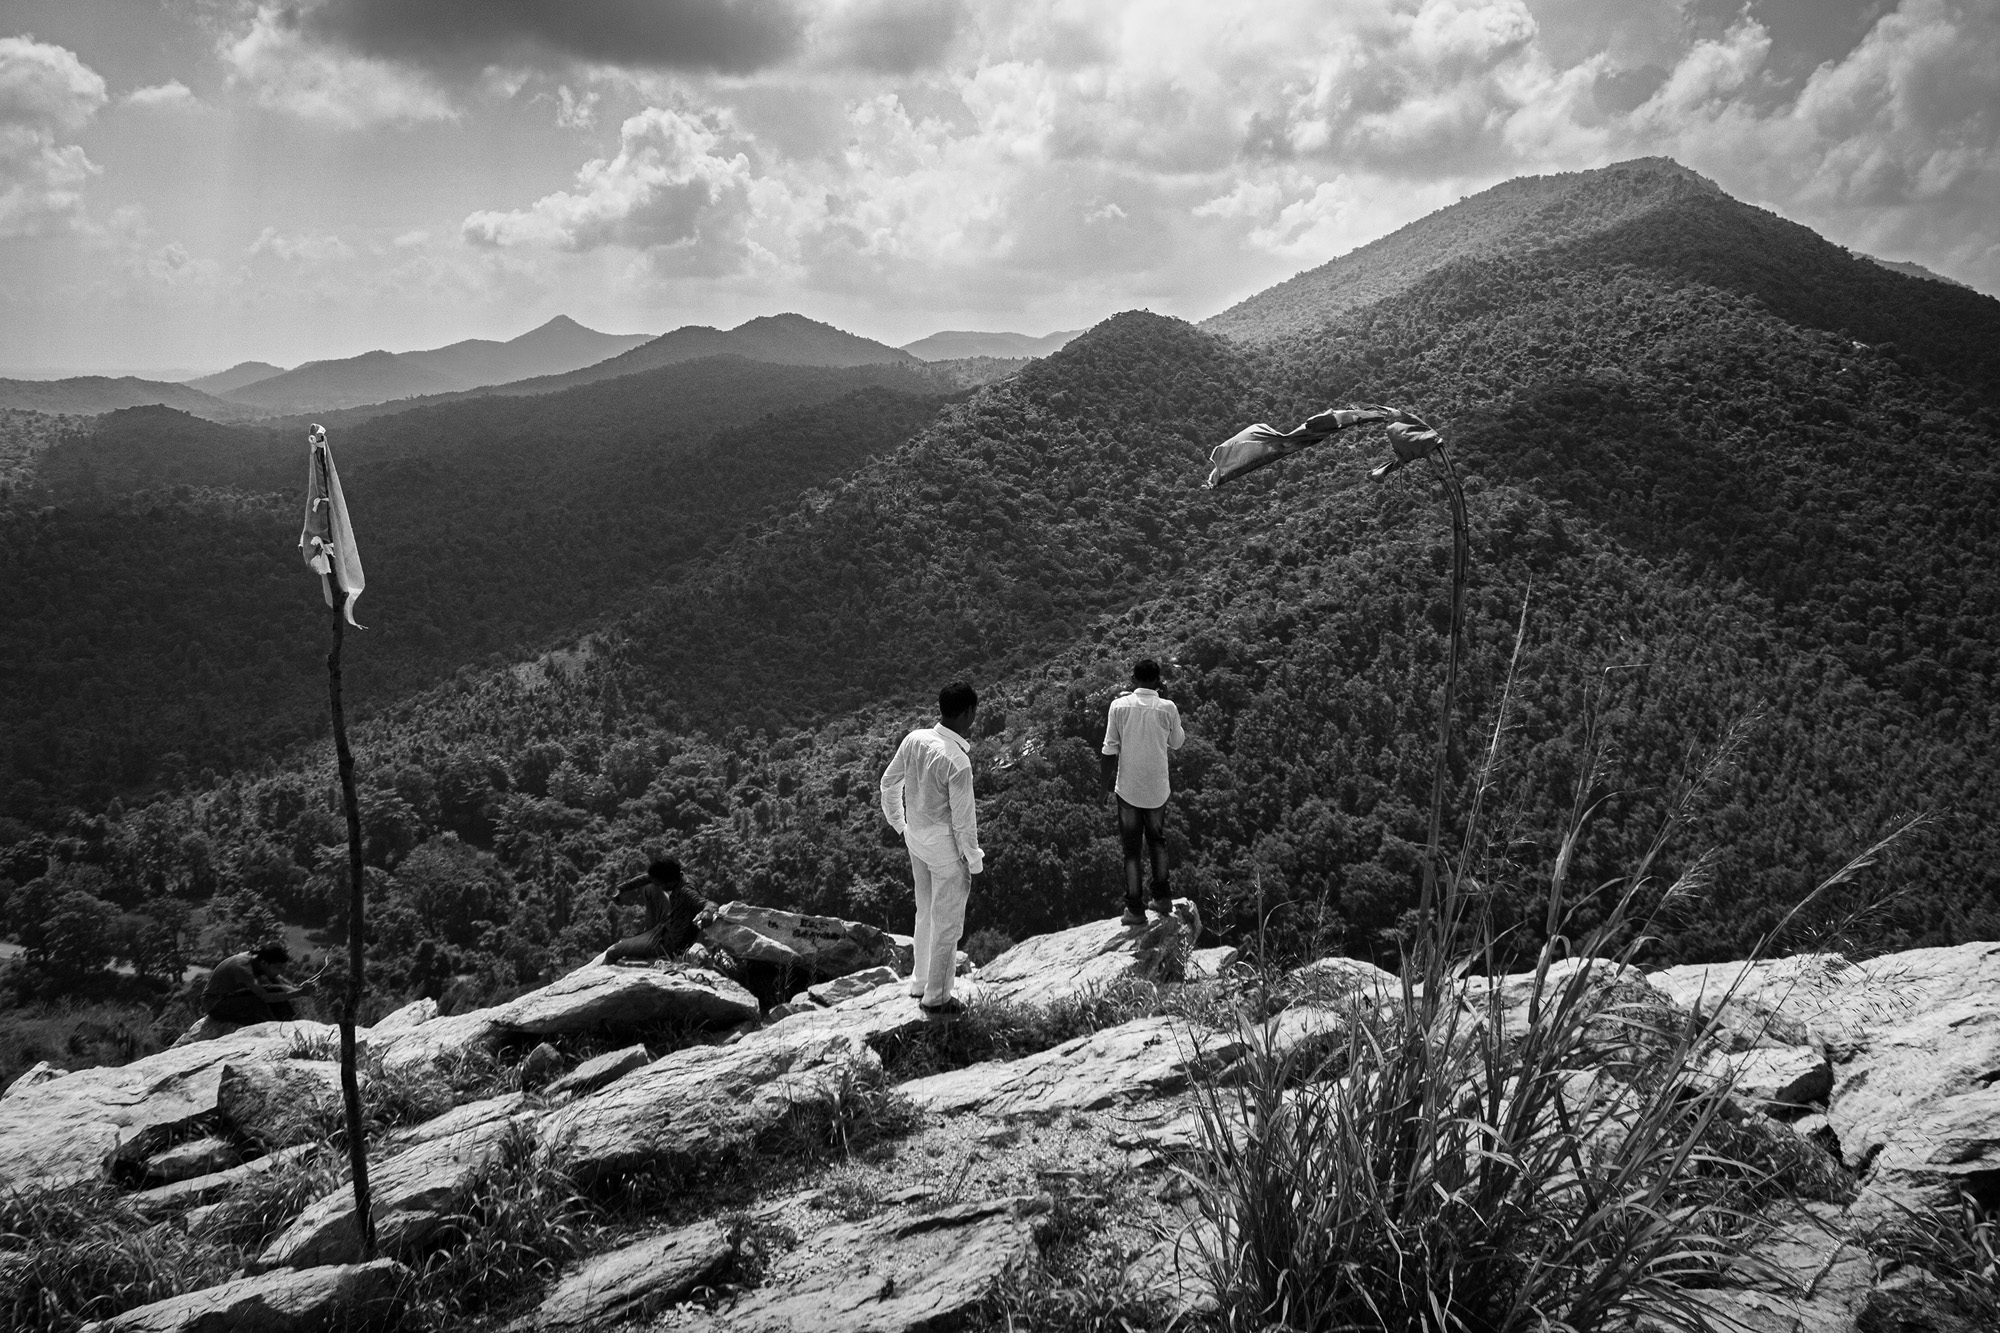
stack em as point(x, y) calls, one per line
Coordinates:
point(327, 541)
point(1250, 449)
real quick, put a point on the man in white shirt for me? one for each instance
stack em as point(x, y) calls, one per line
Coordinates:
point(1138, 732)
point(927, 797)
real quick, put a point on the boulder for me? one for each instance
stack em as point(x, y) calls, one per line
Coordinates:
point(1207, 964)
point(280, 1102)
point(68, 1130)
point(806, 947)
point(1063, 963)
point(200, 1190)
point(599, 1070)
point(1335, 976)
point(897, 1273)
point(39, 1073)
point(196, 1157)
point(627, 998)
point(905, 959)
point(703, 1103)
point(541, 1066)
point(350, 1297)
point(634, 1281)
point(830, 993)
point(1930, 1153)
point(876, 1015)
point(1148, 1057)
point(408, 1194)
point(406, 1050)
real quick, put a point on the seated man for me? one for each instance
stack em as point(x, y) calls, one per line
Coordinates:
point(672, 912)
point(246, 988)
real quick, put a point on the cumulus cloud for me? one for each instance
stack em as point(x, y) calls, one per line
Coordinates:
point(311, 248)
point(46, 95)
point(671, 182)
point(169, 95)
point(286, 69)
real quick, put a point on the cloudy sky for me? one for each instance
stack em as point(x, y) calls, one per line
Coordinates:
point(189, 183)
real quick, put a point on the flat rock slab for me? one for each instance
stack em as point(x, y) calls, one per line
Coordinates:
point(898, 1273)
point(67, 1130)
point(37, 1074)
point(1147, 1057)
point(408, 1194)
point(458, 1119)
point(408, 1049)
point(830, 993)
point(1062, 964)
point(413, 1014)
point(1948, 1142)
point(633, 1282)
point(599, 1070)
point(624, 998)
point(349, 1297)
point(697, 1105)
point(216, 1185)
point(196, 1157)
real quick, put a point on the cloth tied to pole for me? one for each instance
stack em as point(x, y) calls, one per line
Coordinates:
point(327, 541)
point(1255, 446)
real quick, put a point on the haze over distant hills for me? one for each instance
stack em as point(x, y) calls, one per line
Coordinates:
point(956, 344)
point(92, 394)
point(238, 375)
point(560, 345)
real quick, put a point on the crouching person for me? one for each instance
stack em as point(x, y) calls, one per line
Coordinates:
point(672, 920)
point(246, 987)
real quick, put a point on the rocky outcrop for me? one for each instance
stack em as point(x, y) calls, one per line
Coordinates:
point(805, 948)
point(70, 1129)
point(699, 1105)
point(1063, 963)
point(409, 1195)
point(829, 993)
point(625, 999)
point(37, 1074)
point(196, 1157)
point(200, 1190)
point(1147, 1057)
point(277, 1103)
point(899, 1273)
point(633, 1281)
point(353, 1297)
point(599, 1070)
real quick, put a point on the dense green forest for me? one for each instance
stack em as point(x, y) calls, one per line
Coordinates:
point(1725, 510)
point(150, 627)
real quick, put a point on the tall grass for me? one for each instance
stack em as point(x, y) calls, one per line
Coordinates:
point(72, 1255)
point(1454, 1163)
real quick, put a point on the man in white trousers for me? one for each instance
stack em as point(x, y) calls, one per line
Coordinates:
point(927, 797)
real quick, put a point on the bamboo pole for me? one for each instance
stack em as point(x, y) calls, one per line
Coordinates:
point(350, 1087)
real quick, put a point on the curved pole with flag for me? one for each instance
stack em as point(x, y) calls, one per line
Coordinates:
point(327, 542)
point(1412, 438)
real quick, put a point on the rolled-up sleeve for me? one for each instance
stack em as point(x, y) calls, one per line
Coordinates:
point(964, 820)
point(1111, 744)
point(1175, 736)
point(892, 788)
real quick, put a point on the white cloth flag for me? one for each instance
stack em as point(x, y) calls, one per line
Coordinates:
point(328, 539)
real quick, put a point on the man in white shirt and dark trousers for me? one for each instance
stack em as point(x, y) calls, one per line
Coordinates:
point(1139, 731)
point(927, 797)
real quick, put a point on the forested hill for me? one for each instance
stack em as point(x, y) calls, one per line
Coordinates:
point(155, 619)
point(1718, 510)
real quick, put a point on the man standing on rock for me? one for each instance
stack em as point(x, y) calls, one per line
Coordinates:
point(1138, 732)
point(927, 797)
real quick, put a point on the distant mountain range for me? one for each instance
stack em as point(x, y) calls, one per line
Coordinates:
point(238, 375)
point(91, 394)
point(560, 345)
point(955, 344)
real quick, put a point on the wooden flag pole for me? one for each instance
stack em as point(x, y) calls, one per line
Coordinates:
point(350, 1087)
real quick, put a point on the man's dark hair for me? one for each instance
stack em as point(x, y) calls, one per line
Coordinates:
point(273, 952)
point(956, 698)
point(1146, 672)
point(667, 872)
